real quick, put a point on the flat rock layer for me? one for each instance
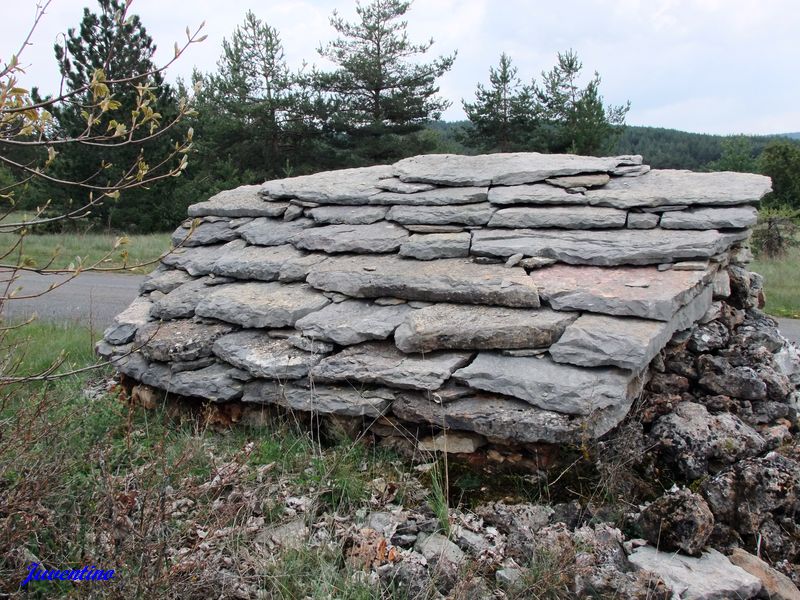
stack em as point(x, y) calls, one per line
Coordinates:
point(362, 239)
point(549, 385)
point(263, 356)
point(352, 322)
point(590, 247)
point(466, 327)
point(181, 340)
point(266, 263)
point(625, 291)
point(501, 169)
point(346, 186)
point(383, 364)
point(446, 280)
point(433, 197)
point(244, 201)
point(261, 304)
point(564, 217)
point(738, 217)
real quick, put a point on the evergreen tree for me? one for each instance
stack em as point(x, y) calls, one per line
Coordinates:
point(503, 116)
point(737, 155)
point(113, 50)
point(574, 118)
point(380, 94)
point(781, 161)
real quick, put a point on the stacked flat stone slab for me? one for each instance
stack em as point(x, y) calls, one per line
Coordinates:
point(516, 298)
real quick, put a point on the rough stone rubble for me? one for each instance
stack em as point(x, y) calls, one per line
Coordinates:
point(516, 299)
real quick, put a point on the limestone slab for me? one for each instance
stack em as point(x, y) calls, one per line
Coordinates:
point(468, 327)
point(353, 321)
point(345, 186)
point(643, 220)
point(507, 418)
point(546, 384)
point(433, 197)
point(383, 364)
point(446, 280)
point(244, 201)
point(625, 342)
point(200, 259)
point(264, 356)
point(344, 400)
point(499, 169)
point(261, 304)
point(267, 263)
point(711, 218)
point(536, 194)
point(204, 234)
point(217, 383)
point(582, 181)
point(626, 291)
point(670, 187)
point(272, 232)
point(566, 217)
point(362, 239)
point(181, 302)
point(125, 324)
point(434, 246)
point(709, 577)
point(180, 340)
point(164, 280)
point(465, 214)
point(348, 215)
point(604, 248)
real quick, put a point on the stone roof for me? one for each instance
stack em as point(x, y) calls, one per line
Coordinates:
point(520, 297)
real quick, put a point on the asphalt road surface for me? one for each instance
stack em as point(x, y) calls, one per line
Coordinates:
point(96, 298)
point(93, 299)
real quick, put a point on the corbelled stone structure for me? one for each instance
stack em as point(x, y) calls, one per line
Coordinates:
point(515, 298)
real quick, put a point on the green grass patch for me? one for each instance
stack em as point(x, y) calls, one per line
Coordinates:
point(65, 250)
point(781, 283)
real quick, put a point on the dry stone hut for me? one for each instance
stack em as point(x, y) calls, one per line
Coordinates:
point(511, 299)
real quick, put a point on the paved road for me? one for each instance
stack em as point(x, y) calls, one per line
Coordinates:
point(790, 328)
point(91, 298)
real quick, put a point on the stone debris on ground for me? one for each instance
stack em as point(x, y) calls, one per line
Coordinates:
point(505, 308)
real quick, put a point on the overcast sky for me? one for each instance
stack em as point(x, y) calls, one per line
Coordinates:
point(712, 66)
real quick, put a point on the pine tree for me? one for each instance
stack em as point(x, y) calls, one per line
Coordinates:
point(111, 46)
point(503, 116)
point(380, 94)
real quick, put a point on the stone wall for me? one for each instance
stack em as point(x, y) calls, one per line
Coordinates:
point(515, 298)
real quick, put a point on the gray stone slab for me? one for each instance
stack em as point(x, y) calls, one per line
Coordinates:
point(362, 239)
point(164, 279)
point(393, 184)
point(433, 246)
point(546, 384)
point(537, 193)
point(566, 217)
point(643, 220)
point(383, 364)
point(581, 181)
point(434, 197)
point(604, 248)
point(348, 215)
point(267, 263)
point(124, 326)
point(181, 302)
point(272, 232)
point(353, 321)
point(708, 577)
point(343, 400)
point(180, 340)
point(468, 327)
point(508, 419)
point(626, 291)
point(244, 201)
point(261, 304)
point(200, 259)
point(464, 214)
point(435, 228)
point(625, 342)
point(345, 186)
point(263, 356)
point(499, 169)
point(737, 217)
point(669, 187)
point(445, 280)
point(217, 383)
point(204, 234)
